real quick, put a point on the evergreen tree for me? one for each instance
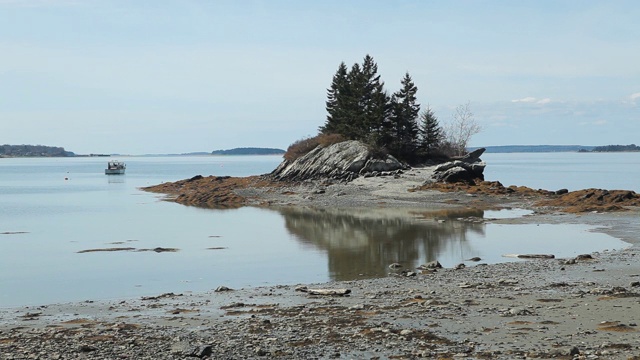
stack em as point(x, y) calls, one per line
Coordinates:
point(375, 101)
point(404, 119)
point(355, 127)
point(336, 94)
point(431, 134)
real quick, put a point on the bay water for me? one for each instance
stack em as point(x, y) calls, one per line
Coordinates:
point(53, 210)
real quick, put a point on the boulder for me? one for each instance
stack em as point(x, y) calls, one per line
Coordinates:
point(342, 161)
point(467, 169)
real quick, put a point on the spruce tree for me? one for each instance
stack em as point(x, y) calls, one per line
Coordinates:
point(355, 127)
point(375, 101)
point(336, 95)
point(431, 134)
point(404, 119)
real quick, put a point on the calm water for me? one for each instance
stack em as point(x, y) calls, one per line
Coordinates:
point(573, 171)
point(51, 209)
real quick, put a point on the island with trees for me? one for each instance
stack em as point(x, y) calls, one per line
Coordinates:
point(249, 151)
point(360, 108)
point(33, 151)
point(616, 148)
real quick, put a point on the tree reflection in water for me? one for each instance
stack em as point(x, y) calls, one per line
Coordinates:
point(363, 242)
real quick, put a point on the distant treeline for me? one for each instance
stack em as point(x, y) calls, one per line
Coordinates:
point(535, 148)
point(249, 151)
point(33, 151)
point(616, 148)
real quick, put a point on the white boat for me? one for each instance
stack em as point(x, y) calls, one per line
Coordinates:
point(115, 167)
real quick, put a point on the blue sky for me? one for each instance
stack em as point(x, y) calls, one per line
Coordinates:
point(160, 76)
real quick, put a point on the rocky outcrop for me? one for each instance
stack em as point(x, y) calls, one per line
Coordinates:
point(346, 160)
point(468, 169)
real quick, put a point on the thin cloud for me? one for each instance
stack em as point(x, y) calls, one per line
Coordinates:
point(634, 97)
point(532, 100)
point(525, 100)
point(40, 3)
point(600, 122)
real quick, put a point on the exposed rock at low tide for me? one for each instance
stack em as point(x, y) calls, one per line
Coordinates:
point(467, 169)
point(346, 160)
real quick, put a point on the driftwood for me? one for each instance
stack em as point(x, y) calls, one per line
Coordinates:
point(530, 256)
point(327, 292)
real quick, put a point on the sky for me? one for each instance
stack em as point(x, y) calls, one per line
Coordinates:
point(177, 76)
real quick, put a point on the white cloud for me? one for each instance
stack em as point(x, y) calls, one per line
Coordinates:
point(532, 100)
point(600, 122)
point(525, 100)
point(543, 101)
point(634, 97)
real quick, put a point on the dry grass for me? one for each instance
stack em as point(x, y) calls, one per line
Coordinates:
point(303, 146)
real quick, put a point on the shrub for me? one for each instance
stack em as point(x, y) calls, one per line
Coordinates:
point(303, 146)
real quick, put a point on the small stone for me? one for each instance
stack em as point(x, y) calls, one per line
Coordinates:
point(87, 348)
point(261, 352)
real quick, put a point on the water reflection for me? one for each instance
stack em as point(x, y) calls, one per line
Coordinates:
point(116, 179)
point(364, 242)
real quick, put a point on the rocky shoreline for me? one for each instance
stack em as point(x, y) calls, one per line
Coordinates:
point(586, 307)
point(583, 308)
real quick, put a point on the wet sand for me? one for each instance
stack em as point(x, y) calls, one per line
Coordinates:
point(587, 308)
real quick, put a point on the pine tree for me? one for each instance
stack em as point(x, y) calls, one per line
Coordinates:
point(431, 134)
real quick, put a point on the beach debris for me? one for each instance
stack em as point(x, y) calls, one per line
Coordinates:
point(160, 249)
point(474, 259)
point(408, 273)
point(199, 351)
point(326, 292)
point(460, 266)
point(107, 249)
point(395, 266)
point(222, 288)
point(430, 265)
point(530, 256)
point(162, 296)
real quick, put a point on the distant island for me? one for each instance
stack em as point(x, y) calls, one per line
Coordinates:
point(33, 151)
point(535, 148)
point(249, 151)
point(616, 148)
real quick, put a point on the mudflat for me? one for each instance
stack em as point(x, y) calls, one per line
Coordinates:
point(586, 307)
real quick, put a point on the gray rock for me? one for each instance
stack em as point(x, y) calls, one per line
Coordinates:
point(198, 351)
point(343, 161)
point(465, 169)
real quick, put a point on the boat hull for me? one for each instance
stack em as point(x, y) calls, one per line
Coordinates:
point(114, 171)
